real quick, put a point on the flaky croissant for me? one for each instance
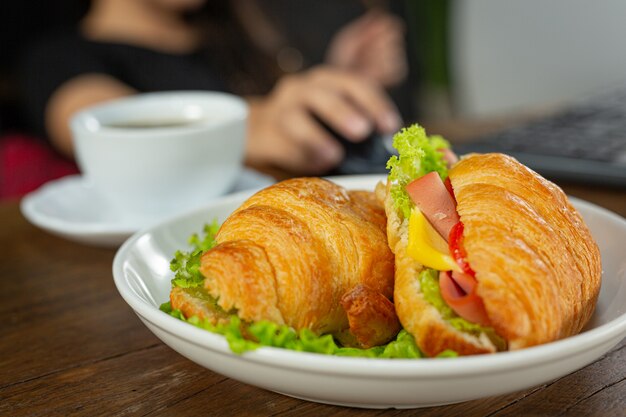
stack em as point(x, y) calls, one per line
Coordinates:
point(291, 252)
point(537, 266)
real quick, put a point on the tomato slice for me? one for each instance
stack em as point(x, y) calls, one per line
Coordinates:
point(459, 288)
point(459, 292)
point(455, 243)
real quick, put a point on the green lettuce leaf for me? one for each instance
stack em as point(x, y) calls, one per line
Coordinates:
point(242, 337)
point(186, 265)
point(418, 154)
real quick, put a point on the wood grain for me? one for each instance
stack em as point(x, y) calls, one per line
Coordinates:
point(69, 345)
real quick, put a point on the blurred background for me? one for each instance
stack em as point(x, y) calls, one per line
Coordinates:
point(478, 63)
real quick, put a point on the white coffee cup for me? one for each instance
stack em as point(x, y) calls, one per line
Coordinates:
point(158, 154)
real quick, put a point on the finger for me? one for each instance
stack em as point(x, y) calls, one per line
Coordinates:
point(366, 95)
point(387, 74)
point(386, 39)
point(301, 128)
point(346, 44)
point(274, 149)
point(339, 114)
point(387, 65)
point(381, 55)
point(362, 22)
point(375, 102)
point(382, 25)
point(385, 21)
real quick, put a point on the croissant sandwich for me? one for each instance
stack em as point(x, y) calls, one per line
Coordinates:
point(305, 253)
point(489, 255)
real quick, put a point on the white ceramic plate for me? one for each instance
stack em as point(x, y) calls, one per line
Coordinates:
point(71, 208)
point(142, 276)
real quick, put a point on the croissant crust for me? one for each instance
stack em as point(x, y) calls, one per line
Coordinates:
point(537, 265)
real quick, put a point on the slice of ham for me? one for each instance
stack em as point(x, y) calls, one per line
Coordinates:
point(459, 292)
point(432, 198)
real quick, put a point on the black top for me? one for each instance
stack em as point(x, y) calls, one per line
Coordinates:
point(62, 57)
point(58, 58)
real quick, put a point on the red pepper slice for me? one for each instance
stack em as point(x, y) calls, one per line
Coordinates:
point(455, 243)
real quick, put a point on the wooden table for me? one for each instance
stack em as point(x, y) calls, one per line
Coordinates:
point(69, 345)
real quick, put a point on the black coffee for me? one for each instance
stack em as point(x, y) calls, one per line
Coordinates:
point(152, 124)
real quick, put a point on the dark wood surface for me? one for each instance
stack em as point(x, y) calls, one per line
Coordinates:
point(69, 345)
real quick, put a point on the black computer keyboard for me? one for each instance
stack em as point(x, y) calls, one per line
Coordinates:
point(585, 143)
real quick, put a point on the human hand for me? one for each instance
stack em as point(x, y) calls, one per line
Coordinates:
point(373, 46)
point(285, 130)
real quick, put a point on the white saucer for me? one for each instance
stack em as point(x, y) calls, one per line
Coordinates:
point(71, 208)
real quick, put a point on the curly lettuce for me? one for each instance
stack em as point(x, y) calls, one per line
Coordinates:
point(186, 264)
point(418, 154)
point(242, 336)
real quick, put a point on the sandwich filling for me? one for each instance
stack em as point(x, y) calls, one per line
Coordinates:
point(424, 198)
